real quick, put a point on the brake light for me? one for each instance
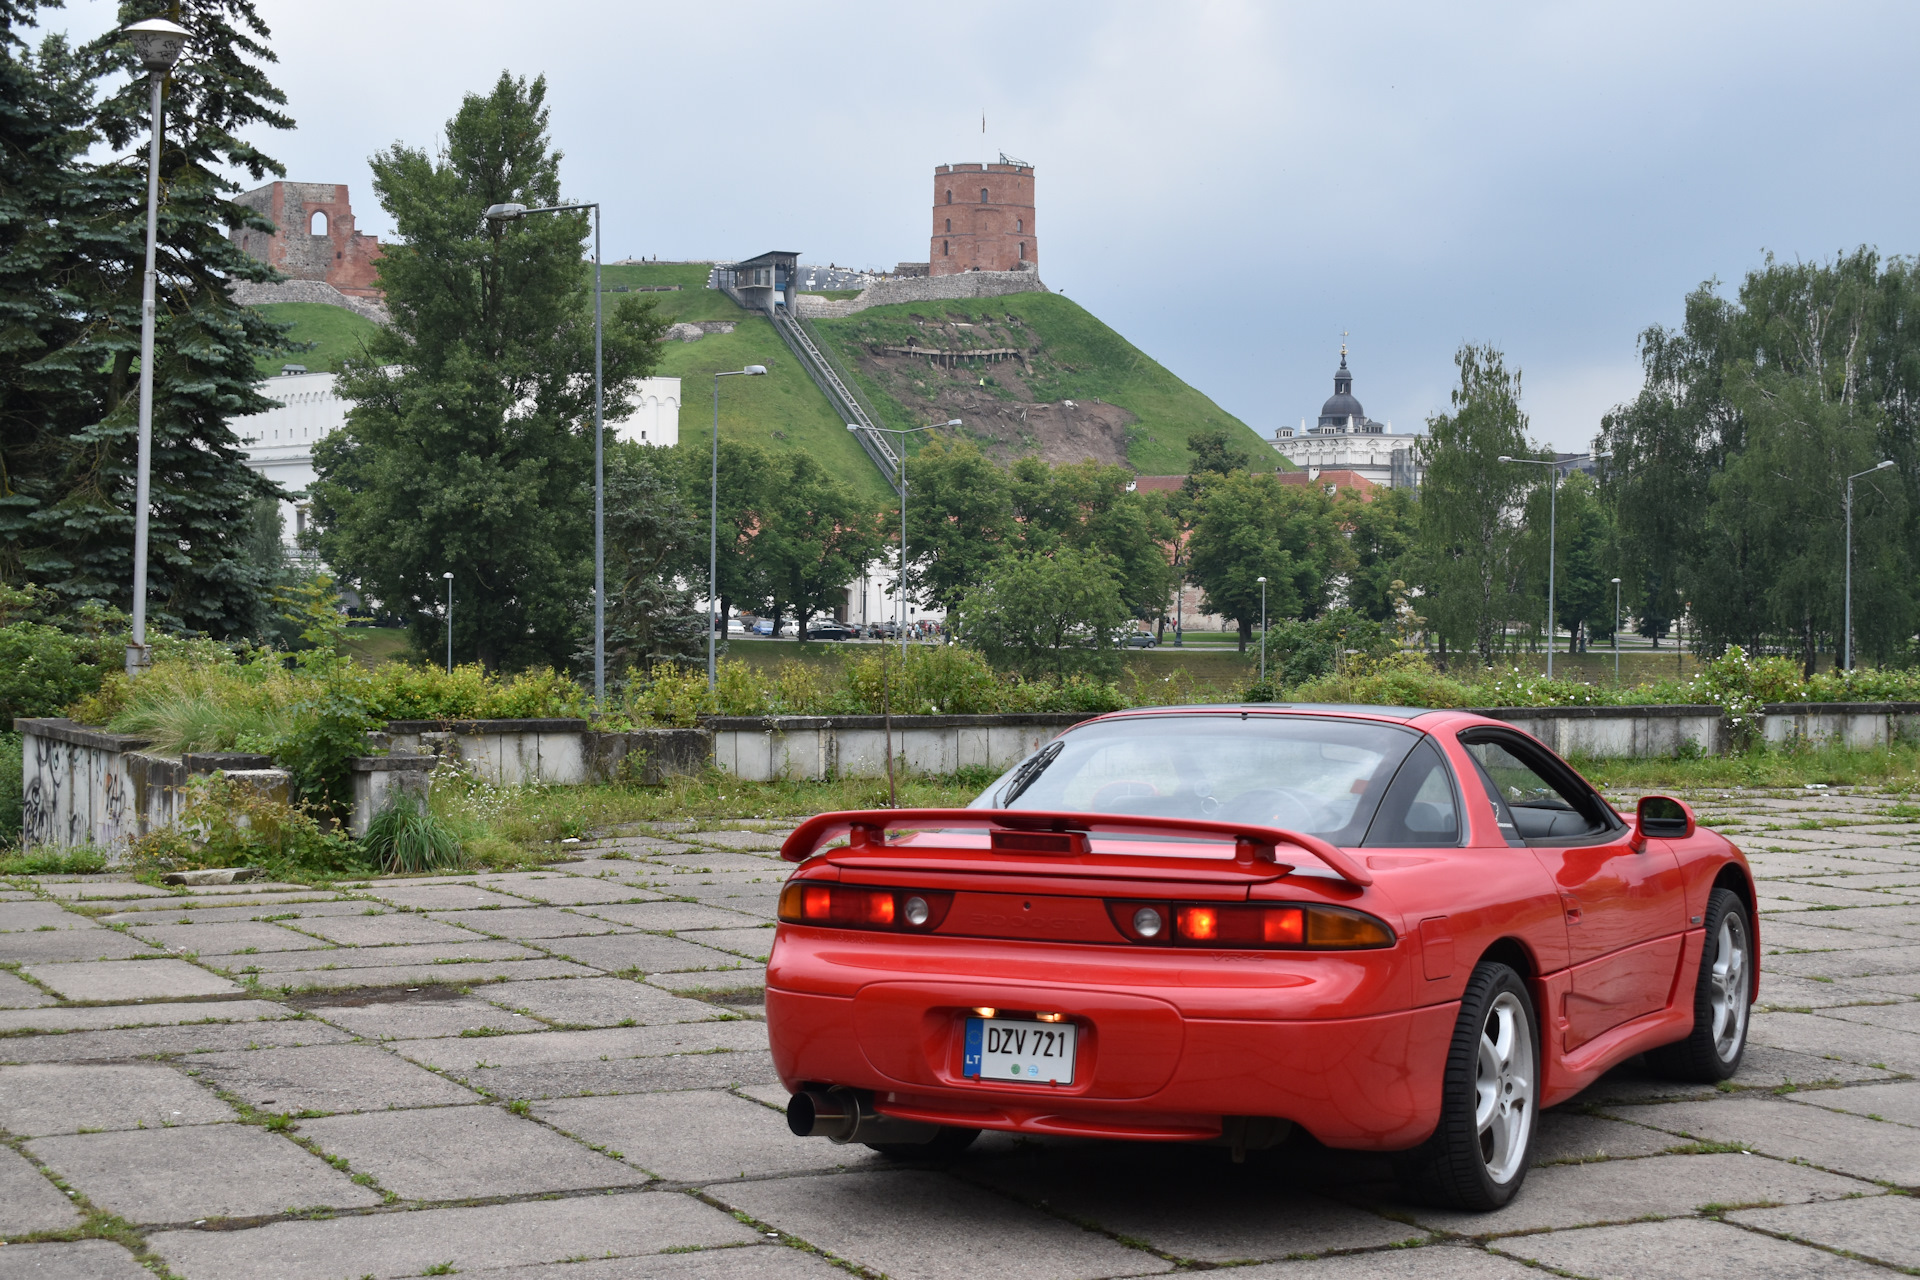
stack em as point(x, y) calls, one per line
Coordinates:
point(856, 907)
point(1304, 927)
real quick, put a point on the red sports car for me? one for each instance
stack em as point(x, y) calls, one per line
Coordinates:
point(1400, 930)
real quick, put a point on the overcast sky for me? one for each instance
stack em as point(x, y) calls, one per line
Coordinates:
point(1230, 185)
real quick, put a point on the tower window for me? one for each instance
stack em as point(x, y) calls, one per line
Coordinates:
point(949, 197)
point(1019, 224)
point(944, 251)
point(318, 226)
point(949, 226)
point(1023, 250)
point(983, 195)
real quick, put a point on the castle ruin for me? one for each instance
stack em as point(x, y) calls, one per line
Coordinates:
point(314, 237)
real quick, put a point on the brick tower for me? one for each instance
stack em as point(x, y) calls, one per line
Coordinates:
point(983, 219)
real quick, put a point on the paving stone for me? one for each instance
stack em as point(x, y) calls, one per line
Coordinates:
point(647, 953)
point(750, 977)
point(1571, 1195)
point(767, 1261)
point(384, 930)
point(1435, 1262)
point(931, 1227)
point(752, 899)
point(1805, 935)
point(29, 916)
point(80, 890)
point(236, 1171)
point(449, 1153)
point(442, 897)
point(756, 944)
point(703, 862)
point(662, 916)
point(160, 1013)
point(471, 1239)
point(529, 922)
point(315, 910)
point(72, 1260)
point(420, 975)
point(1571, 1135)
point(583, 891)
point(473, 948)
point(62, 945)
point(598, 1002)
point(1823, 895)
point(41, 1099)
point(28, 1202)
point(626, 1075)
point(1781, 990)
point(1690, 1248)
point(585, 1046)
point(770, 1095)
point(405, 1020)
point(696, 1136)
point(765, 842)
point(144, 1042)
point(1836, 1037)
point(224, 937)
point(17, 993)
point(1904, 1016)
point(326, 1078)
point(1832, 1140)
point(1898, 984)
point(1188, 1201)
point(1898, 1103)
point(1884, 1228)
point(130, 980)
point(1873, 962)
point(261, 903)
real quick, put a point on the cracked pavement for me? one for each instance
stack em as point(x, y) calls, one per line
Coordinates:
point(562, 1074)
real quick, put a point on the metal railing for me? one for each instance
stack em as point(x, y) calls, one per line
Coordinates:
point(853, 412)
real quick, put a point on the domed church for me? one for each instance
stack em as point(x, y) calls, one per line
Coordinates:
point(1346, 439)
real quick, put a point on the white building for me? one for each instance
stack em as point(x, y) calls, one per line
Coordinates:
point(1346, 439)
point(279, 443)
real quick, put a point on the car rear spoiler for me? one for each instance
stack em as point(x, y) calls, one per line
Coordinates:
point(1026, 833)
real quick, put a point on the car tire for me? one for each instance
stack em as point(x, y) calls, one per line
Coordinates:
point(949, 1142)
point(1722, 999)
point(1479, 1152)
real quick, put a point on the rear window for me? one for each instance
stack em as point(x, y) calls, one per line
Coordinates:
point(1318, 775)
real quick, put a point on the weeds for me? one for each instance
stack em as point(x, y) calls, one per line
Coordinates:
point(408, 838)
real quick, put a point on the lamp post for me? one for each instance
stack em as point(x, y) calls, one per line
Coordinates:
point(449, 577)
point(900, 598)
point(510, 213)
point(713, 511)
point(1846, 659)
point(158, 44)
point(1263, 630)
point(1616, 633)
point(1553, 499)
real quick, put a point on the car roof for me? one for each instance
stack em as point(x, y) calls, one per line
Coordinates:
point(1356, 710)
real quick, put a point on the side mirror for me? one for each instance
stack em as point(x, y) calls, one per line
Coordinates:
point(1664, 817)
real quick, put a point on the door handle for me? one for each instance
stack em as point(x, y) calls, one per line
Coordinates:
point(1573, 915)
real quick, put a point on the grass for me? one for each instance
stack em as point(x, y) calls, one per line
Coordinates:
point(783, 412)
point(1895, 768)
point(334, 331)
point(408, 838)
point(375, 645)
point(1080, 358)
point(694, 301)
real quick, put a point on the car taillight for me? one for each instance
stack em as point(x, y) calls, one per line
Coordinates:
point(857, 907)
point(1306, 926)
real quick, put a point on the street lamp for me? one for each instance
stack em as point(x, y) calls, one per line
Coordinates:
point(158, 44)
point(1846, 662)
point(900, 598)
point(1263, 630)
point(449, 578)
point(1553, 499)
point(512, 212)
point(1616, 633)
point(713, 511)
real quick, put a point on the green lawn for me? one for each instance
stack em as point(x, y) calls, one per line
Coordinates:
point(334, 331)
point(1079, 358)
point(783, 411)
point(375, 645)
point(694, 301)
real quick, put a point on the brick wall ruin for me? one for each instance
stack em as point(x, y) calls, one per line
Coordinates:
point(315, 240)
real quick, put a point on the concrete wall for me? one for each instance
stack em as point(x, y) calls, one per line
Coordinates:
point(511, 753)
point(760, 749)
point(1619, 731)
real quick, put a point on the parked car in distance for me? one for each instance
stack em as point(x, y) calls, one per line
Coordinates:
point(1142, 640)
point(1400, 931)
point(828, 630)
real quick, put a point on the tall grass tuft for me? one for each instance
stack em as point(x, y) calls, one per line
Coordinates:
point(408, 838)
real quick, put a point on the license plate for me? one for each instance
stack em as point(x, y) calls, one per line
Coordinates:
point(1029, 1052)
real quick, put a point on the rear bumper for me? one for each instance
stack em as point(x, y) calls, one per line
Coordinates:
point(1146, 1068)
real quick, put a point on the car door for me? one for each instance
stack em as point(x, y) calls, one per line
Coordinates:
point(1623, 900)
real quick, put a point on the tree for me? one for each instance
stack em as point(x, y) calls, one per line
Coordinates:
point(1047, 615)
point(814, 538)
point(1213, 452)
point(960, 520)
point(469, 447)
point(1094, 508)
point(72, 249)
point(654, 544)
point(1248, 526)
point(1468, 535)
point(745, 492)
point(1381, 530)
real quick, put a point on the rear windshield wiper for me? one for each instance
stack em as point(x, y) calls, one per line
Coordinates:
point(1029, 773)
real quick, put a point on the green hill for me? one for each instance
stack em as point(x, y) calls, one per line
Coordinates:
point(334, 331)
point(1127, 407)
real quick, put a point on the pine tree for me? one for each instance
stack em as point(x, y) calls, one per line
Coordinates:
point(74, 248)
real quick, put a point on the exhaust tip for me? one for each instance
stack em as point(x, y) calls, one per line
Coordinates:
point(811, 1114)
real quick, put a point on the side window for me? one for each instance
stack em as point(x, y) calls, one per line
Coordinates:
point(1538, 806)
point(1419, 808)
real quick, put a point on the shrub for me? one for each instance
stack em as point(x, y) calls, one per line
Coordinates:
point(11, 768)
point(225, 824)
